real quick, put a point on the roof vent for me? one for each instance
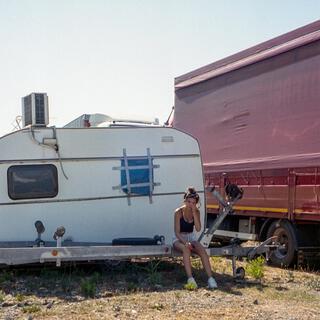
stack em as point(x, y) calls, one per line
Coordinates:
point(35, 110)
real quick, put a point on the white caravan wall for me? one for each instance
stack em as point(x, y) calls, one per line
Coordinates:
point(87, 205)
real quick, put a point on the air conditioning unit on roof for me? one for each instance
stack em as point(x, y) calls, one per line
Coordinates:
point(35, 110)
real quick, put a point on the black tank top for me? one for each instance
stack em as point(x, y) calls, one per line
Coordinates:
point(186, 226)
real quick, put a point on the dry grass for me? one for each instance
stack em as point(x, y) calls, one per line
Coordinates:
point(153, 290)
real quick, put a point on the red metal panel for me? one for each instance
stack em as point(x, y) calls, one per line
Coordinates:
point(273, 193)
point(259, 117)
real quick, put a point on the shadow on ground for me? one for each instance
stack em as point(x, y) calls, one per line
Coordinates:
point(76, 282)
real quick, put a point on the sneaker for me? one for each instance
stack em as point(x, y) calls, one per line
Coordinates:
point(192, 282)
point(212, 284)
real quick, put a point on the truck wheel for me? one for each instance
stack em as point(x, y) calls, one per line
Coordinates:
point(283, 256)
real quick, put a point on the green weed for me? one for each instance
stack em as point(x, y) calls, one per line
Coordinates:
point(31, 309)
point(66, 284)
point(154, 277)
point(255, 268)
point(20, 297)
point(190, 286)
point(88, 288)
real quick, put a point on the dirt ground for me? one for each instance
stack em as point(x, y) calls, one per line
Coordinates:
point(155, 290)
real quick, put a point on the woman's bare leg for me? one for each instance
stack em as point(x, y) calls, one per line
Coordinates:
point(186, 253)
point(199, 250)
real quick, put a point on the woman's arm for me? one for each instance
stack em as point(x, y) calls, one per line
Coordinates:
point(196, 219)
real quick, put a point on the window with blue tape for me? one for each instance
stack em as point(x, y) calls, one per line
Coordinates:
point(139, 178)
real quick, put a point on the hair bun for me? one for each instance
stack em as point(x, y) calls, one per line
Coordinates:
point(191, 190)
point(191, 193)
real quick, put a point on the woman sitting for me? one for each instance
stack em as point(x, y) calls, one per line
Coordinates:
point(186, 219)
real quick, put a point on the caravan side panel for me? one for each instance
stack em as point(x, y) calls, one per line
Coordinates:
point(91, 203)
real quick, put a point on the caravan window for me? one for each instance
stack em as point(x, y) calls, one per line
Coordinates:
point(140, 176)
point(32, 181)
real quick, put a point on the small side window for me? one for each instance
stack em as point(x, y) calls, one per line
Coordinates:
point(32, 181)
point(140, 177)
point(136, 175)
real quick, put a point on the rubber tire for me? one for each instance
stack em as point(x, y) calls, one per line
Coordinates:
point(286, 235)
point(240, 273)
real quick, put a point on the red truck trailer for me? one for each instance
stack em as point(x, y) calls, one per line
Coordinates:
point(256, 115)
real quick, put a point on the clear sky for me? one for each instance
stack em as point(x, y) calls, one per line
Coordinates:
point(120, 57)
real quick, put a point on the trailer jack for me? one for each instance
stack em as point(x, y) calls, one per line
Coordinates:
point(234, 193)
point(234, 250)
point(40, 230)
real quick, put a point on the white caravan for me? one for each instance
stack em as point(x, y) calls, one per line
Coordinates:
point(100, 192)
point(100, 184)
